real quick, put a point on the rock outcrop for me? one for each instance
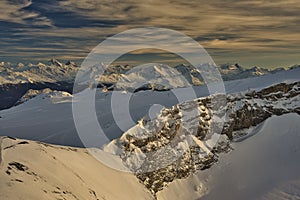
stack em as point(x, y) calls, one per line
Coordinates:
point(180, 141)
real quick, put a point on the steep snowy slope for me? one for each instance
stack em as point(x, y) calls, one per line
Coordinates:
point(264, 166)
point(32, 170)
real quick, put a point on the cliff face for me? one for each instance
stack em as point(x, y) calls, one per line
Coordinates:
point(181, 140)
point(254, 107)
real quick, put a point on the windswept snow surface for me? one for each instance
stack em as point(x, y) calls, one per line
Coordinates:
point(34, 171)
point(264, 166)
point(49, 118)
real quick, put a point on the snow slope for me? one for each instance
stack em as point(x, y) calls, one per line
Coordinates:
point(264, 166)
point(32, 170)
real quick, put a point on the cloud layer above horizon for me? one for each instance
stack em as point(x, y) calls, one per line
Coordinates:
point(258, 32)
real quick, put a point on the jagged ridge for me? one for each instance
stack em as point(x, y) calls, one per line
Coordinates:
point(141, 146)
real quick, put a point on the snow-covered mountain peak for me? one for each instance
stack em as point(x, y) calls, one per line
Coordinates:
point(258, 71)
point(56, 71)
point(295, 66)
point(5, 64)
point(42, 94)
point(231, 67)
point(154, 76)
point(37, 73)
point(69, 62)
point(55, 62)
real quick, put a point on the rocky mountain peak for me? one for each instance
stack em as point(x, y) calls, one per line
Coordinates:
point(56, 62)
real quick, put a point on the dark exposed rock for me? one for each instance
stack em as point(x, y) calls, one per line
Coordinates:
point(18, 166)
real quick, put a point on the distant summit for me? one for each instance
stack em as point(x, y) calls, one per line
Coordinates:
point(228, 66)
point(55, 71)
point(56, 62)
point(69, 62)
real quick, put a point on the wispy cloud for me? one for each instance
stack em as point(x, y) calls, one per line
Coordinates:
point(263, 32)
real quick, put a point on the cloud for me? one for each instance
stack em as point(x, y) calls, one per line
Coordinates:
point(228, 29)
point(14, 11)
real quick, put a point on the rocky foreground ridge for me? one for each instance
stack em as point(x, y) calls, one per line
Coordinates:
point(180, 142)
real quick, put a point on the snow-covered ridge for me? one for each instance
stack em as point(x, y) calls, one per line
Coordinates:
point(235, 71)
point(153, 76)
point(56, 71)
point(39, 73)
point(167, 137)
point(34, 170)
point(44, 93)
point(16, 80)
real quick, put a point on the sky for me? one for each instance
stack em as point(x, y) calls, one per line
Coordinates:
point(262, 33)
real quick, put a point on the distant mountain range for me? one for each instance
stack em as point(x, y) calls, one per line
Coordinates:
point(17, 79)
point(52, 72)
point(55, 71)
